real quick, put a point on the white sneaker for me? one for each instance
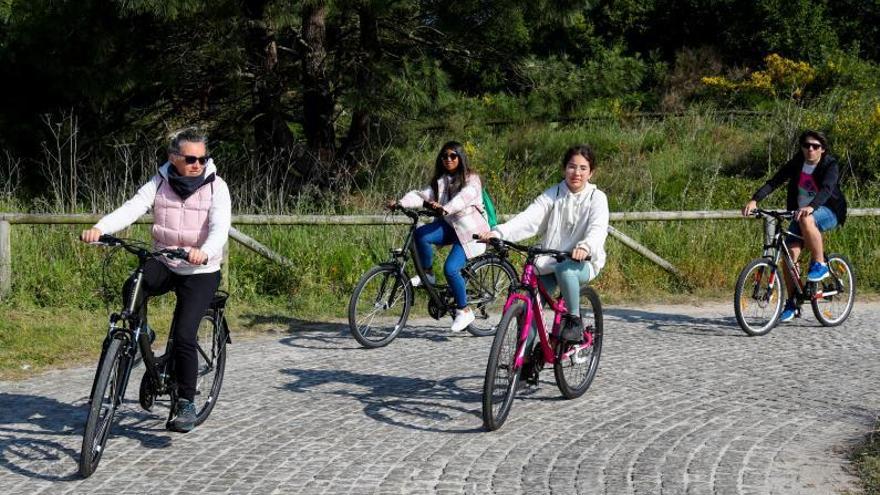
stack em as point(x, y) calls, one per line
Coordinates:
point(417, 282)
point(462, 320)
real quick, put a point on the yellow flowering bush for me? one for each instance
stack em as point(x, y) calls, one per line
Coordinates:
point(782, 77)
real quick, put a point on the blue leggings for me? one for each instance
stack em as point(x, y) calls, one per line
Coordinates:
point(441, 233)
point(569, 275)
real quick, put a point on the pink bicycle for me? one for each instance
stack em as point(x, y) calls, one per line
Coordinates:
point(515, 356)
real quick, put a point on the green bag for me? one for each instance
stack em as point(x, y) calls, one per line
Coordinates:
point(489, 209)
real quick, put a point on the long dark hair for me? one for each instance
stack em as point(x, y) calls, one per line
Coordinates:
point(459, 176)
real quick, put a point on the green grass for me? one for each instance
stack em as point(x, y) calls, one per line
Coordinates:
point(866, 459)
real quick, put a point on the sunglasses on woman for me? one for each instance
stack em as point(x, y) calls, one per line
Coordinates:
point(811, 146)
point(190, 159)
point(449, 156)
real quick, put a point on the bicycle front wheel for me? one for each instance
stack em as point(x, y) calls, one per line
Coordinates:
point(575, 373)
point(211, 353)
point(487, 282)
point(758, 297)
point(379, 306)
point(502, 375)
point(103, 403)
point(834, 309)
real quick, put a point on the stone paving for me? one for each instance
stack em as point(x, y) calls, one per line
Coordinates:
point(684, 403)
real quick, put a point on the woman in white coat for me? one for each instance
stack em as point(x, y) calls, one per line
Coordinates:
point(570, 216)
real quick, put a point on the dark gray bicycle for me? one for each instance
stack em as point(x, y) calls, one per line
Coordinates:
point(129, 340)
point(382, 299)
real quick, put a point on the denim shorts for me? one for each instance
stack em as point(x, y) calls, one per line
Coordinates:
point(825, 220)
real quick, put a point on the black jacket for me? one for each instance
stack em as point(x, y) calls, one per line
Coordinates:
point(827, 177)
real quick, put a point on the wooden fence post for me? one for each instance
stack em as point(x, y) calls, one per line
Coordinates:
point(5, 258)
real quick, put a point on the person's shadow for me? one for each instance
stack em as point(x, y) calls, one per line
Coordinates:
point(40, 437)
point(676, 323)
point(414, 403)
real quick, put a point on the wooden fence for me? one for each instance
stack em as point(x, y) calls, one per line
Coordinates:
point(9, 219)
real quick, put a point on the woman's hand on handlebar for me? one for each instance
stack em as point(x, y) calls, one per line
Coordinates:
point(392, 204)
point(437, 207)
point(196, 257)
point(90, 236)
point(580, 254)
point(749, 208)
point(485, 236)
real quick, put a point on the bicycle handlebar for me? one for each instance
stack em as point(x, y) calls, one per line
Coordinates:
point(500, 244)
point(415, 213)
point(772, 213)
point(140, 252)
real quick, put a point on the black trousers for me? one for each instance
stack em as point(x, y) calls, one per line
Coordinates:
point(194, 294)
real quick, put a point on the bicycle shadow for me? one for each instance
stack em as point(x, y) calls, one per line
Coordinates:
point(307, 334)
point(413, 403)
point(40, 437)
point(681, 324)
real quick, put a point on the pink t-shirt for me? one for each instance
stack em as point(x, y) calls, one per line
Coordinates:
point(807, 187)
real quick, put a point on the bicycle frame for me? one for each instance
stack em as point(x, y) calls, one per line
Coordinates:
point(536, 290)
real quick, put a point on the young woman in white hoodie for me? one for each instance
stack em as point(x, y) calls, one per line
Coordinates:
point(570, 216)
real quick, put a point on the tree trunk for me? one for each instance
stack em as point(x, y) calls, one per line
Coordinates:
point(270, 127)
point(359, 130)
point(318, 103)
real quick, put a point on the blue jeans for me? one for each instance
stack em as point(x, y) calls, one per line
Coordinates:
point(441, 233)
point(569, 275)
point(823, 216)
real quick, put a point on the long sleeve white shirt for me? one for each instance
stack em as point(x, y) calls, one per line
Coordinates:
point(565, 220)
point(219, 215)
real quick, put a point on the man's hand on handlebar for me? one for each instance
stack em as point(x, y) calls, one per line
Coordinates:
point(749, 208)
point(90, 236)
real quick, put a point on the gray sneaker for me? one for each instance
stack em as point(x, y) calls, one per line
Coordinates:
point(185, 418)
point(572, 328)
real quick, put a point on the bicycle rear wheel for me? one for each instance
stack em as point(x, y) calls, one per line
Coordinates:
point(379, 306)
point(487, 282)
point(106, 397)
point(834, 309)
point(211, 352)
point(575, 374)
point(502, 375)
point(758, 297)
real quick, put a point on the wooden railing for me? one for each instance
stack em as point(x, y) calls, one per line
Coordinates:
point(9, 219)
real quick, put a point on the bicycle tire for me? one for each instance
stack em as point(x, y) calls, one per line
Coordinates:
point(398, 294)
point(101, 411)
point(211, 352)
point(502, 376)
point(843, 279)
point(755, 293)
point(488, 280)
point(576, 375)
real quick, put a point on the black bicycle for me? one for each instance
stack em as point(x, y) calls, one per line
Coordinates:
point(129, 339)
point(382, 299)
point(760, 290)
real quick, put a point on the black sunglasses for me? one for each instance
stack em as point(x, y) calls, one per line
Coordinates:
point(812, 146)
point(190, 159)
point(449, 156)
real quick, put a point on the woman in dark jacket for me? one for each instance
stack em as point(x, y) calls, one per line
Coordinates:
point(814, 195)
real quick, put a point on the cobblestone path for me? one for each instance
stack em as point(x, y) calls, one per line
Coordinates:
point(684, 403)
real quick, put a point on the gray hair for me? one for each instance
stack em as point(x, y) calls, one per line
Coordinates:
point(188, 135)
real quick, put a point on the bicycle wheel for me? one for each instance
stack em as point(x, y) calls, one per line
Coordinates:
point(379, 306)
point(102, 407)
point(212, 364)
point(487, 282)
point(834, 309)
point(575, 374)
point(758, 297)
point(502, 376)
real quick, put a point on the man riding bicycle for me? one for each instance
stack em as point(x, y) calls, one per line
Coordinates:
point(818, 204)
point(192, 210)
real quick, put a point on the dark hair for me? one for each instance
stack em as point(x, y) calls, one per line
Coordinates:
point(580, 149)
point(188, 135)
point(459, 176)
point(818, 136)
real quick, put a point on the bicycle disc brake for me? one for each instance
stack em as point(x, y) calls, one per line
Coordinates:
point(147, 393)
